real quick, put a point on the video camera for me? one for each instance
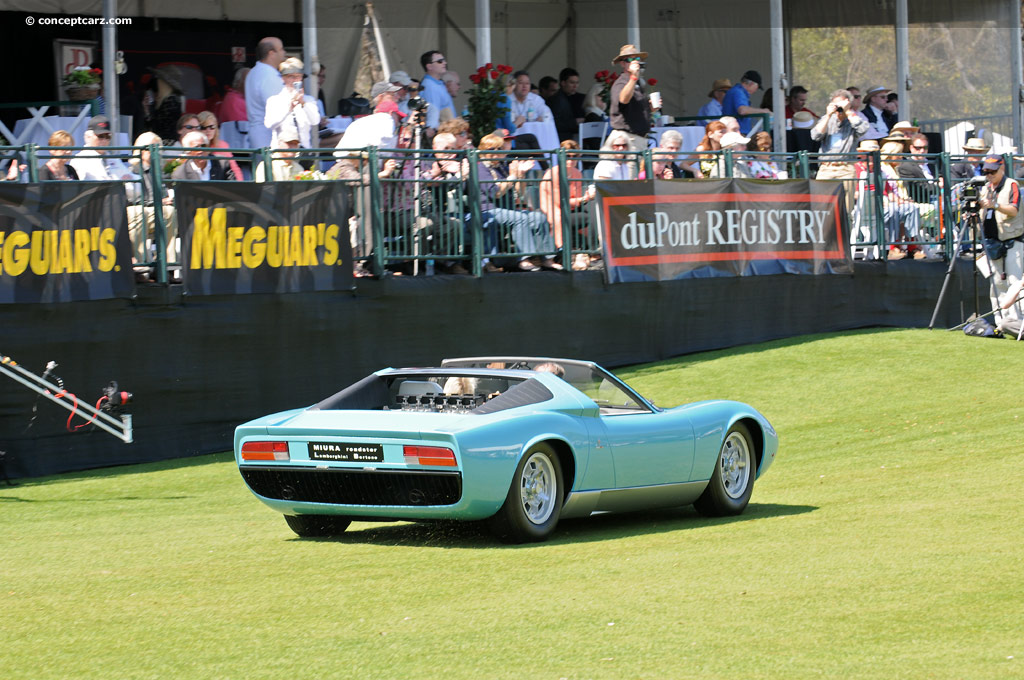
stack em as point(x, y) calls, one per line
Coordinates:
point(970, 191)
point(418, 107)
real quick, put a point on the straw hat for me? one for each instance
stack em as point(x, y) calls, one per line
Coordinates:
point(803, 120)
point(905, 127)
point(976, 144)
point(868, 145)
point(628, 51)
point(720, 84)
point(290, 66)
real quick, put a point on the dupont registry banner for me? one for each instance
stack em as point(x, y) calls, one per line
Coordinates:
point(63, 242)
point(669, 229)
point(277, 237)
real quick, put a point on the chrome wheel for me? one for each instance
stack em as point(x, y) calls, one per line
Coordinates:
point(538, 486)
point(735, 465)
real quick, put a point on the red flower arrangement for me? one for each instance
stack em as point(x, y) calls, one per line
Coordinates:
point(487, 98)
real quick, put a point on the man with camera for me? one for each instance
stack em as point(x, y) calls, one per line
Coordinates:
point(1002, 229)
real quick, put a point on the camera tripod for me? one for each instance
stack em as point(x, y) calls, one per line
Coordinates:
point(970, 222)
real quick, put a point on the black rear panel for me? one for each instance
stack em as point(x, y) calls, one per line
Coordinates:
point(354, 487)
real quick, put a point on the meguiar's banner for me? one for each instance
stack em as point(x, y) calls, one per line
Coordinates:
point(277, 237)
point(669, 229)
point(64, 241)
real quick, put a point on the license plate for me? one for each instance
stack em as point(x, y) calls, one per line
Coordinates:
point(355, 453)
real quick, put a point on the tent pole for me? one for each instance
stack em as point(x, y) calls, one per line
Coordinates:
point(309, 46)
point(110, 92)
point(483, 32)
point(778, 81)
point(1016, 75)
point(633, 22)
point(903, 83)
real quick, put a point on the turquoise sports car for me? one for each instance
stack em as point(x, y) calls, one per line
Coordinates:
point(517, 441)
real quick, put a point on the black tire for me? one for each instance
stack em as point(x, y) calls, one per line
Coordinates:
point(309, 526)
point(534, 501)
point(728, 491)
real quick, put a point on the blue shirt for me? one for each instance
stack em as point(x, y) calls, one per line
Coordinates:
point(734, 99)
point(436, 94)
point(712, 108)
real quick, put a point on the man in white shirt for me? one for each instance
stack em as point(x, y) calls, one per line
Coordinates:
point(262, 83)
point(292, 108)
point(92, 164)
point(379, 129)
point(525, 106)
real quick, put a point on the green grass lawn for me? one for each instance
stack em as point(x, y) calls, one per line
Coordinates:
point(886, 541)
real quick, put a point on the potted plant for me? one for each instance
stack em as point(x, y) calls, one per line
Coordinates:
point(82, 83)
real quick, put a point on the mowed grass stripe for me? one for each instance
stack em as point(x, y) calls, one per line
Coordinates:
point(885, 542)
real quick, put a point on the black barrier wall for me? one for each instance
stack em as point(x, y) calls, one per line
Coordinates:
point(199, 366)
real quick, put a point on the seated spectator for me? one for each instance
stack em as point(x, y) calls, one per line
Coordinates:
point(292, 107)
point(797, 101)
point(94, 163)
point(197, 164)
point(566, 104)
point(594, 108)
point(234, 123)
point(672, 142)
point(187, 122)
point(142, 216)
point(730, 123)
point(57, 168)
point(547, 88)
point(551, 200)
point(164, 102)
point(864, 206)
point(616, 165)
point(209, 126)
point(975, 150)
point(737, 144)
point(760, 165)
point(458, 128)
point(529, 229)
point(713, 107)
point(901, 215)
point(525, 106)
point(711, 141)
point(283, 166)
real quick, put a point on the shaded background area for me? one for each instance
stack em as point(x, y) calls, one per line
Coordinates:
point(199, 366)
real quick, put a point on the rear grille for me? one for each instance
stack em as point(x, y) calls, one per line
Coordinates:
point(354, 487)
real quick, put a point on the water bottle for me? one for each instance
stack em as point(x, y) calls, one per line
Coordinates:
point(531, 115)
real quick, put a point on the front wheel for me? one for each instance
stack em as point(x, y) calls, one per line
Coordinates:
point(728, 491)
point(534, 500)
point(309, 526)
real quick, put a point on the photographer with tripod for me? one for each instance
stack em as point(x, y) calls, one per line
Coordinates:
point(1002, 228)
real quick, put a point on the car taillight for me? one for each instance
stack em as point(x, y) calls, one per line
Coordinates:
point(429, 455)
point(265, 451)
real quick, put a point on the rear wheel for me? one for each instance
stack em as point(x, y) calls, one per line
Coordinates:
point(534, 500)
point(309, 526)
point(732, 482)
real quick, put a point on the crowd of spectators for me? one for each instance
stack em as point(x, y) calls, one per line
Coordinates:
point(521, 198)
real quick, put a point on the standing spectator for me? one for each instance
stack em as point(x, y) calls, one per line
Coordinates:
point(1002, 228)
point(262, 83)
point(855, 96)
point(878, 117)
point(433, 89)
point(838, 131)
point(209, 126)
point(57, 168)
point(737, 100)
point(407, 89)
point(525, 106)
point(452, 83)
point(797, 101)
point(630, 109)
point(94, 164)
point(234, 119)
point(975, 149)
point(378, 129)
point(163, 103)
point(713, 107)
point(292, 107)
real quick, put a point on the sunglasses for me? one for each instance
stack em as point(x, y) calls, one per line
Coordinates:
point(207, 127)
point(104, 135)
point(858, 96)
point(989, 172)
point(439, 61)
point(189, 127)
point(919, 148)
